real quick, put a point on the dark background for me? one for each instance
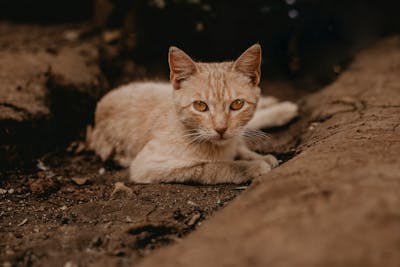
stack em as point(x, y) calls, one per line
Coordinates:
point(301, 39)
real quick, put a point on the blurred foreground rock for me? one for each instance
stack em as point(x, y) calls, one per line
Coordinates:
point(337, 202)
point(49, 83)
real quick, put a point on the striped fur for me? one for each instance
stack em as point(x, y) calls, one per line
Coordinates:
point(154, 129)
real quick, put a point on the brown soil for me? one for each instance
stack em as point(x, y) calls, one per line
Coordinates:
point(51, 219)
point(50, 80)
point(64, 210)
point(61, 210)
point(333, 203)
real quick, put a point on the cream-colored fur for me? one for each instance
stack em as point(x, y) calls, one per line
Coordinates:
point(154, 129)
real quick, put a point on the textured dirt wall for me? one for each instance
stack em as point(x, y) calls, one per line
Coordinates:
point(50, 81)
point(337, 202)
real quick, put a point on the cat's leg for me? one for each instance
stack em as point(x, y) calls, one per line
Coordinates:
point(274, 116)
point(245, 153)
point(150, 167)
point(236, 172)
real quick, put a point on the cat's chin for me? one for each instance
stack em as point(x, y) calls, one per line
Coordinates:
point(220, 141)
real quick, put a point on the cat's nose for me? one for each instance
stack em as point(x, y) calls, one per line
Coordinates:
point(221, 131)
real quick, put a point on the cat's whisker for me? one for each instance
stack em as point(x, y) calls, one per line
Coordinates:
point(197, 136)
point(255, 136)
point(196, 139)
point(249, 131)
point(191, 135)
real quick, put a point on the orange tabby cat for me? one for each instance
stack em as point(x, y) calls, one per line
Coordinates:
point(193, 128)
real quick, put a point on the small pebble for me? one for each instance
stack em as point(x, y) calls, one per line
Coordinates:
point(120, 187)
point(40, 165)
point(102, 171)
point(81, 146)
point(313, 126)
point(71, 35)
point(70, 264)
point(191, 203)
point(9, 251)
point(111, 36)
point(11, 191)
point(195, 218)
point(107, 225)
point(2, 191)
point(79, 181)
point(23, 222)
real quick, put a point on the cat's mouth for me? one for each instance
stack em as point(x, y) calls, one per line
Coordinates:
point(220, 142)
point(220, 139)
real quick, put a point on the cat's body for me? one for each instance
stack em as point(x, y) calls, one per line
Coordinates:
point(162, 133)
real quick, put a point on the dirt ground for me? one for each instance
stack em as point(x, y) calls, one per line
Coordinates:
point(328, 204)
point(60, 209)
point(66, 212)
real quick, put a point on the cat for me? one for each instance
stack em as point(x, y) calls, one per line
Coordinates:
point(192, 129)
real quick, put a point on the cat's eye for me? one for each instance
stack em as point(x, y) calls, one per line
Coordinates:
point(200, 106)
point(237, 104)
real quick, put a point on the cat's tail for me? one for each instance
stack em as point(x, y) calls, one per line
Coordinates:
point(274, 116)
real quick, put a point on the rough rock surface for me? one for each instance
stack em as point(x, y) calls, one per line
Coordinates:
point(49, 81)
point(337, 202)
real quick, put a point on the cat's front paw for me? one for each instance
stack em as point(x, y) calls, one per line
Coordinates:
point(258, 168)
point(271, 160)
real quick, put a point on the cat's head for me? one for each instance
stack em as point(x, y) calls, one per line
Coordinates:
point(214, 101)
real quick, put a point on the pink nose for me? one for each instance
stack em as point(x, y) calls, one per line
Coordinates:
point(221, 131)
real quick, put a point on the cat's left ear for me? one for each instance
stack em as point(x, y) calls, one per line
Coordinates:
point(249, 64)
point(181, 66)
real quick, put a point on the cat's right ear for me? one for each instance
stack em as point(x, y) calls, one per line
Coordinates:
point(181, 66)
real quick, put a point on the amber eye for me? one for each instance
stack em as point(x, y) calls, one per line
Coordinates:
point(237, 104)
point(200, 106)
